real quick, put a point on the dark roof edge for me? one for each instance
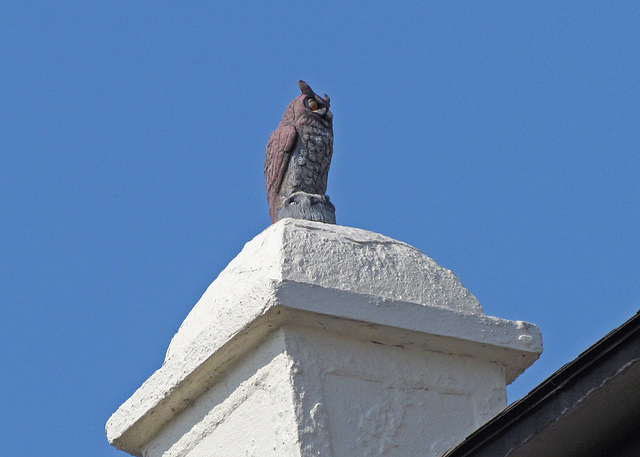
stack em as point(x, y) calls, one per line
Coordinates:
point(548, 388)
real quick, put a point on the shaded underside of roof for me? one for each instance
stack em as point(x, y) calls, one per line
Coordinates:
point(589, 407)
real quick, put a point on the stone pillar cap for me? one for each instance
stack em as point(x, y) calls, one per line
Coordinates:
point(350, 280)
point(330, 256)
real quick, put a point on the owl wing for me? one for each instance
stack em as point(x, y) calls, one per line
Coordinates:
point(276, 161)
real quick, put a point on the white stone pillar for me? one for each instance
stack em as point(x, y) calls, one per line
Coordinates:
point(322, 340)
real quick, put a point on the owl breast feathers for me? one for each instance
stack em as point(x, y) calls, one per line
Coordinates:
point(298, 156)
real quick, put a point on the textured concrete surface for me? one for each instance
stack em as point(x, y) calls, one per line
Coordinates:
point(326, 340)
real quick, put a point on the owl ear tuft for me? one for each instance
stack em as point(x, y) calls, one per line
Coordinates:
point(305, 89)
point(327, 99)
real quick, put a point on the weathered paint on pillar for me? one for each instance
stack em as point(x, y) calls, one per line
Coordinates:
point(322, 340)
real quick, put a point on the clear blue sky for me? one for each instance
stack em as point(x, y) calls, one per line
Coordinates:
point(500, 138)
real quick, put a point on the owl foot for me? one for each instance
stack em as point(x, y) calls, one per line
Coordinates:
point(311, 207)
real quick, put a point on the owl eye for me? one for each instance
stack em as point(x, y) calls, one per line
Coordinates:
point(313, 105)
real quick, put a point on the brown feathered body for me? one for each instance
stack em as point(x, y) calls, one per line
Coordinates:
point(299, 151)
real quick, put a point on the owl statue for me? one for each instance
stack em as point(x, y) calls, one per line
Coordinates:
point(297, 160)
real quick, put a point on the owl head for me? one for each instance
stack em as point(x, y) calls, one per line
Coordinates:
point(311, 106)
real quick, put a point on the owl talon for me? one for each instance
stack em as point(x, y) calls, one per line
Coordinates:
point(311, 207)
